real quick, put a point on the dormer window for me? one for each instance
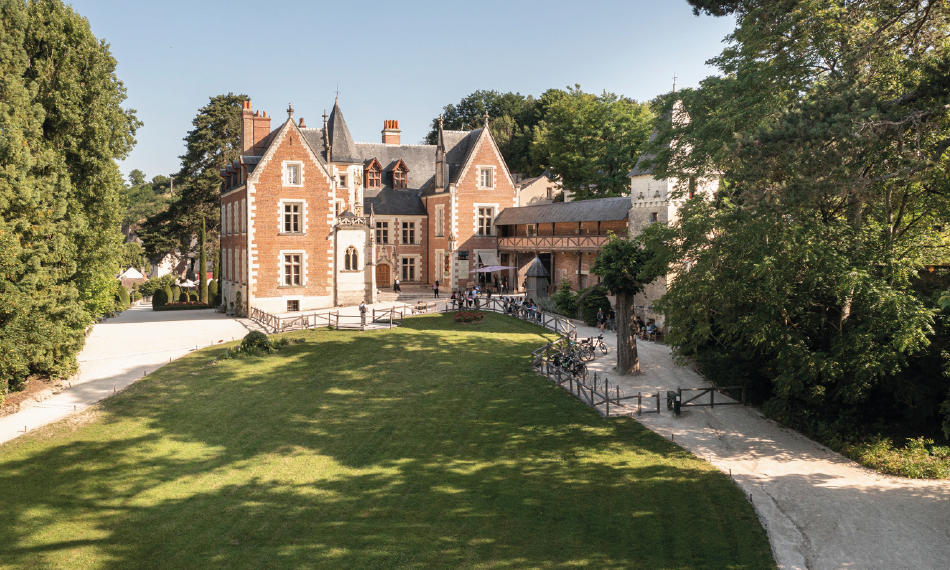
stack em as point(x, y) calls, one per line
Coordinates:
point(400, 176)
point(374, 175)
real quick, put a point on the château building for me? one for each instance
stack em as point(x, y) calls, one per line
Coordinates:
point(313, 219)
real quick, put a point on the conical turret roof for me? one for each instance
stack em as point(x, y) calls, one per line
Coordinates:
point(342, 147)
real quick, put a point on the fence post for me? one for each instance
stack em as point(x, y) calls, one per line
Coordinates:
point(607, 393)
point(743, 395)
point(712, 398)
point(657, 403)
point(639, 403)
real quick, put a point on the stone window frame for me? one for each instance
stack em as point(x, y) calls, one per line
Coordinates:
point(281, 213)
point(354, 265)
point(281, 274)
point(416, 265)
point(285, 173)
point(402, 232)
point(440, 220)
point(386, 229)
point(476, 218)
point(481, 177)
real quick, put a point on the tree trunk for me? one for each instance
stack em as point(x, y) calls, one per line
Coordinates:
point(202, 267)
point(627, 360)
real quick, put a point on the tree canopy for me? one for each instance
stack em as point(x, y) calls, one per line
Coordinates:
point(624, 268)
point(828, 127)
point(212, 144)
point(63, 128)
point(589, 142)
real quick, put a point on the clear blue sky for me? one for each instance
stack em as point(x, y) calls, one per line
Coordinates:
point(392, 60)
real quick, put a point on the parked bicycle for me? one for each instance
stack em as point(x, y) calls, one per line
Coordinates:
point(570, 362)
point(589, 346)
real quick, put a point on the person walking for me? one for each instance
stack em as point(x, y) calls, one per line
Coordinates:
point(396, 287)
point(600, 320)
point(362, 316)
point(435, 289)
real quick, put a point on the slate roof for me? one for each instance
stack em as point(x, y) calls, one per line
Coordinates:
point(529, 181)
point(458, 146)
point(419, 159)
point(537, 269)
point(342, 148)
point(600, 209)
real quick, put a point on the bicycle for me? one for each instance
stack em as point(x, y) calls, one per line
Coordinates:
point(590, 345)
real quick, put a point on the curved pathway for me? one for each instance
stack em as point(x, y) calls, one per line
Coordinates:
point(122, 350)
point(822, 511)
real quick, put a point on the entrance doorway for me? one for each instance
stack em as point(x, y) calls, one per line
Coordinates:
point(383, 276)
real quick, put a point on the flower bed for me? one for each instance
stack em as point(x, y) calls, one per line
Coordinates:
point(469, 317)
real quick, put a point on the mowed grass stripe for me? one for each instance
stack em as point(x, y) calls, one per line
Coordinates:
point(431, 445)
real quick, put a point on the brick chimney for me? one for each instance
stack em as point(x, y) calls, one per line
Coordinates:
point(255, 125)
point(391, 132)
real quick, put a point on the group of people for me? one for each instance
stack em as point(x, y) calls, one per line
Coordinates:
point(468, 298)
point(519, 306)
point(606, 320)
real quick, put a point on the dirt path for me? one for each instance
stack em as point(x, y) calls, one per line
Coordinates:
point(122, 350)
point(822, 511)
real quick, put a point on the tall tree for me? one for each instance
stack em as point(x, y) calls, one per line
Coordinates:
point(63, 127)
point(829, 125)
point(624, 268)
point(212, 144)
point(592, 142)
point(512, 121)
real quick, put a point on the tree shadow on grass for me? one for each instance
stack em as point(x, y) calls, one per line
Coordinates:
point(413, 448)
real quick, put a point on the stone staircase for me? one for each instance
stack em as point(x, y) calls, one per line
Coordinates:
point(410, 295)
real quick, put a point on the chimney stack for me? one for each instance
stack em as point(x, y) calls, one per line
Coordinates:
point(301, 124)
point(255, 125)
point(391, 132)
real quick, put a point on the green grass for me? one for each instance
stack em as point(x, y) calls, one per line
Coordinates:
point(428, 446)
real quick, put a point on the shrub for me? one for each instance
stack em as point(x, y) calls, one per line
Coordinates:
point(547, 304)
point(158, 298)
point(137, 296)
point(213, 297)
point(169, 294)
point(176, 292)
point(183, 297)
point(122, 299)
point(566, 299)
point(591, 300)
point(193, 296)
point(919, 459)
point(256, 343)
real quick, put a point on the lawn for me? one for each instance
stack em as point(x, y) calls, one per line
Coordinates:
point(432, 445)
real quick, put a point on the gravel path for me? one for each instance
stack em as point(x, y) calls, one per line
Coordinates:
point(822, 511)
point(122, 350)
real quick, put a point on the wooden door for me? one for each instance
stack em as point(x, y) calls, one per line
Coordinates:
point(383, 277)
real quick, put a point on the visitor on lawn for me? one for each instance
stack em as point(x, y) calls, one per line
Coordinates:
point(435, 289)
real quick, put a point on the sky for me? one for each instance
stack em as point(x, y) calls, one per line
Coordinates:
point(389, 60)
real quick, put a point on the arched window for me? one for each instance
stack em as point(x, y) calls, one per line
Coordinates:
point(351, 261)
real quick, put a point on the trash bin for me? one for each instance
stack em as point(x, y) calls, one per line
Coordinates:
point(676, 405)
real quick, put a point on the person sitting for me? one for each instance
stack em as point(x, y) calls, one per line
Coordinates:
point(650, 331)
